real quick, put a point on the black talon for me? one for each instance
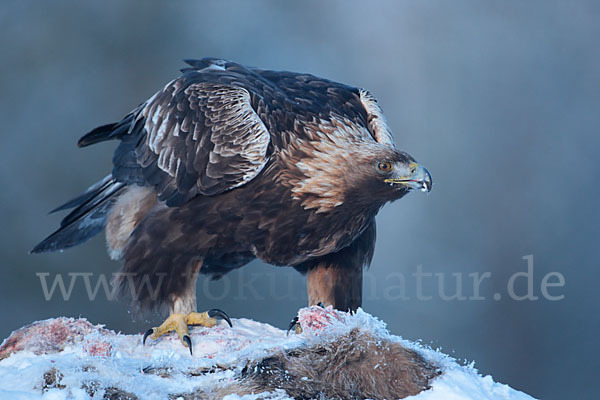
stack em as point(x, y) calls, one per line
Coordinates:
point(292, 324)
point(188, 341)
point(148, 333)
point(215, 312)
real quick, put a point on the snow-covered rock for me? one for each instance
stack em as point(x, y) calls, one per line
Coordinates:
point(337, 355)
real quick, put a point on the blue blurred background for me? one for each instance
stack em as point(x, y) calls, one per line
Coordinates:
point(499, 99)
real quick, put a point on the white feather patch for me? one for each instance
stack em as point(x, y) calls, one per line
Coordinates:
point(377, 120)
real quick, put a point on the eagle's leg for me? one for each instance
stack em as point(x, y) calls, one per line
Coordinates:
point(183, 314)
point(336, 279)
point(331, 284)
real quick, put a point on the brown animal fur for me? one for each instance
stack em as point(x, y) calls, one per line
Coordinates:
point(357, 366)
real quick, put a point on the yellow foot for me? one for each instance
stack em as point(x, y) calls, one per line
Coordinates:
point(180, 322)
point(295, 325)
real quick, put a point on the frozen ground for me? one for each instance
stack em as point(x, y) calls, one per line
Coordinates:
point(67, 358)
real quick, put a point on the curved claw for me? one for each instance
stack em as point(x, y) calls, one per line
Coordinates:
point(148, 333)
point(292, 325)
point(187, 340)
point(215, 312)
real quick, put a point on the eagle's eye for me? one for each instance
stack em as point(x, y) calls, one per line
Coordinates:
point(385, 166)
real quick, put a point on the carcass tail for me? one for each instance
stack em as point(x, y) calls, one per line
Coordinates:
point(86, 220)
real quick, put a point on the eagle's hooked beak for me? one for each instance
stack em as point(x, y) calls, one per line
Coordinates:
point(419, 179)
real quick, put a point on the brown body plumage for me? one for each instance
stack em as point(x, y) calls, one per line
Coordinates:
point(227, 164)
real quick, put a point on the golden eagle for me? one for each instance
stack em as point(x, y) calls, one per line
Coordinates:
point(226, 164)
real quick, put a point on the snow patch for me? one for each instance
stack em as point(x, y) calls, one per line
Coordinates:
point(67, 358)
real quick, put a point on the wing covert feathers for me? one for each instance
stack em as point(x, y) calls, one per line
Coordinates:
point(201, 138)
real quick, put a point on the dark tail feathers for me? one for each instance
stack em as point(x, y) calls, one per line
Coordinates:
point(87, 219)
point(108, 131)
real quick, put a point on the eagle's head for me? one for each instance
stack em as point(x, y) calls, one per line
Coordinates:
point(386, 174)
point(358, 175)
point(345, 167)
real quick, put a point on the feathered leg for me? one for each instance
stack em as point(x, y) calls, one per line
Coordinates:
point(332, 284)
point(336, 279)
